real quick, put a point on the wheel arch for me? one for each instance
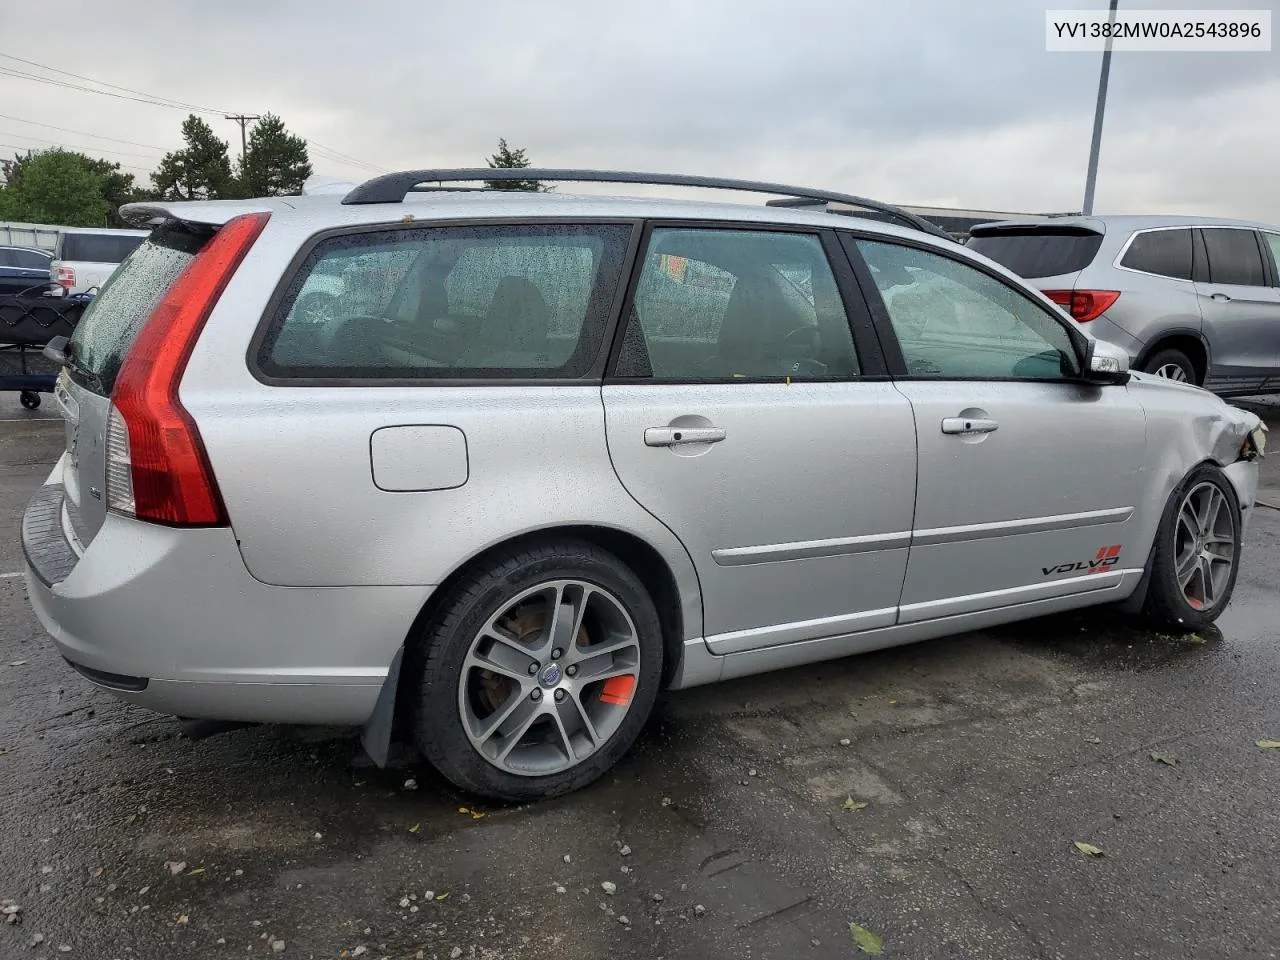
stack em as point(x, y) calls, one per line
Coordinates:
point(1190, 341)
point(644, 559)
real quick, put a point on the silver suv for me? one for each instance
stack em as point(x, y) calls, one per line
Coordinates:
point(552, 454)
point(1191, 299)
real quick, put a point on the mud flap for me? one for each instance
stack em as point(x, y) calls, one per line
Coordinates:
point(376, 738)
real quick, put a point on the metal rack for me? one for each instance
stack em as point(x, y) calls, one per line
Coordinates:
point(394, 187)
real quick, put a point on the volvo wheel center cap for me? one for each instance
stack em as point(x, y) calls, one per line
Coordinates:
point(551, 675)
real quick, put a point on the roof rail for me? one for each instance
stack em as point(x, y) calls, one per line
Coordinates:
point(394, 187)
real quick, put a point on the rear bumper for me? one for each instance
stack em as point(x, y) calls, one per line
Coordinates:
point(172, 620)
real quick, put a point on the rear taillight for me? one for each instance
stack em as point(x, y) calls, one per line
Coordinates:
point(157, 468)
point(66, 277)
point(1084, 305)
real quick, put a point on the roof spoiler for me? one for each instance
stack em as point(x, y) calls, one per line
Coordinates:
point(1078, 228)
point(394, 187)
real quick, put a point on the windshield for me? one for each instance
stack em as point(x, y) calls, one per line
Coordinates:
point(112, 321)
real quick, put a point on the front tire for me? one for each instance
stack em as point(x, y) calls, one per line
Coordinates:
point(1197, 552)
point(537, 673)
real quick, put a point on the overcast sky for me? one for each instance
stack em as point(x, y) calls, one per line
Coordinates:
point(950, 102)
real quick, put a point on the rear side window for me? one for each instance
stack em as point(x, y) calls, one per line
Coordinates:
point(513, 301)
point(1234, 257)
point(1163, 252)
point(98, 247)
point(1039, 252)
point(736, 305)
point(113, 318)
point(31, 259)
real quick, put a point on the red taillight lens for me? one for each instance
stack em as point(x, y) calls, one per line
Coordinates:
point(173, 482)
point(1084, 305)
point(66, 277)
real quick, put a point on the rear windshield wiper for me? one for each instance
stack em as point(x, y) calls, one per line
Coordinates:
point(60, 351)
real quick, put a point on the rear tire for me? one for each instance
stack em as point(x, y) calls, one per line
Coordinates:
point(558, 713)
point(1196, 556)
point(1171, 364)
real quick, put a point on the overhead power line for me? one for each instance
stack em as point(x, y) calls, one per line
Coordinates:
point(113, 86)
point(82, 133)
point(127, 166)
point(69, 146)
point(141, 96)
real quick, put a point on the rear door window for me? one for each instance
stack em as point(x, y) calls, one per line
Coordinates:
point(1166, 253)
point(31, 259)
point(1039, 252)
point(99, 247)
point(514, 301)
point(113, 318)
point(736, 305)
point(1234, 257)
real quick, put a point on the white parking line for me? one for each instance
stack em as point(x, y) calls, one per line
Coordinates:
point(28, 419)
point(9, 576)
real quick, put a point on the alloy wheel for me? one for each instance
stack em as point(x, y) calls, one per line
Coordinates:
point(1204, 546)
point(549, 678)
point(1172, 371)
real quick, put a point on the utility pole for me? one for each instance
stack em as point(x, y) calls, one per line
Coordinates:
point(1095, 146)
point(243, 120)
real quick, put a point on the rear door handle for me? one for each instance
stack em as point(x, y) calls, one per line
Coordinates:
point(674, 436)
point(1221, 297)
point(968, 425)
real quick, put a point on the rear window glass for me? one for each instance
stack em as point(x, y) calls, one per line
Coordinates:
point(98, 247)
point(113, 318)
point(1163, 252)
point(1039, 253)
point(454, 302)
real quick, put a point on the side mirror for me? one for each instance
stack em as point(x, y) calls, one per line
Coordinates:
point(1106, 363)
point(56, 350)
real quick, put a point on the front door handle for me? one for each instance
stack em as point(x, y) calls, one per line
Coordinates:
point(968, 425)
point(675, 436)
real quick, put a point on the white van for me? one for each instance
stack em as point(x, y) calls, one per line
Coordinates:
point(85, 256)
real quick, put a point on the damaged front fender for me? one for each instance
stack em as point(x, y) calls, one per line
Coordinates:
point(1187, 426)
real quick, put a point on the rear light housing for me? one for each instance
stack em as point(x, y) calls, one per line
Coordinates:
point(157, 467)
point(65, 277)
point(1084, 305)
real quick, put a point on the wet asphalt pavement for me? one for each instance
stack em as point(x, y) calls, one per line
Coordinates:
point(980, 759)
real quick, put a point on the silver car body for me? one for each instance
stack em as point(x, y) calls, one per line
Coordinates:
point(1228, 330)
point(834, 518)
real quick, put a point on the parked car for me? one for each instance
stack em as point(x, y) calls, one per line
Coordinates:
point(23, 270)
point(578, 449)
point(1190, 299)
point(85, 257)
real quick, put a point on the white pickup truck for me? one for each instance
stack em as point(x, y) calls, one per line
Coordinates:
point(86, 256)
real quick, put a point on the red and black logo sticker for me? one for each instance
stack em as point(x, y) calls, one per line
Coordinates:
point(1106, 557)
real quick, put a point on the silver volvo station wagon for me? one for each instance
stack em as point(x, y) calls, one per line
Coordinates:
point(489, 469)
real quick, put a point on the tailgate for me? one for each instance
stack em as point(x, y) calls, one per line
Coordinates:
point(95, 354)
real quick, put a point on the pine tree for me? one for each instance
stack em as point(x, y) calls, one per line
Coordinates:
point(508, 159)
point(201, 171)
point(276, 163)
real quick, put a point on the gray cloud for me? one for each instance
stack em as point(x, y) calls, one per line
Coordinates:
point(923, 100)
